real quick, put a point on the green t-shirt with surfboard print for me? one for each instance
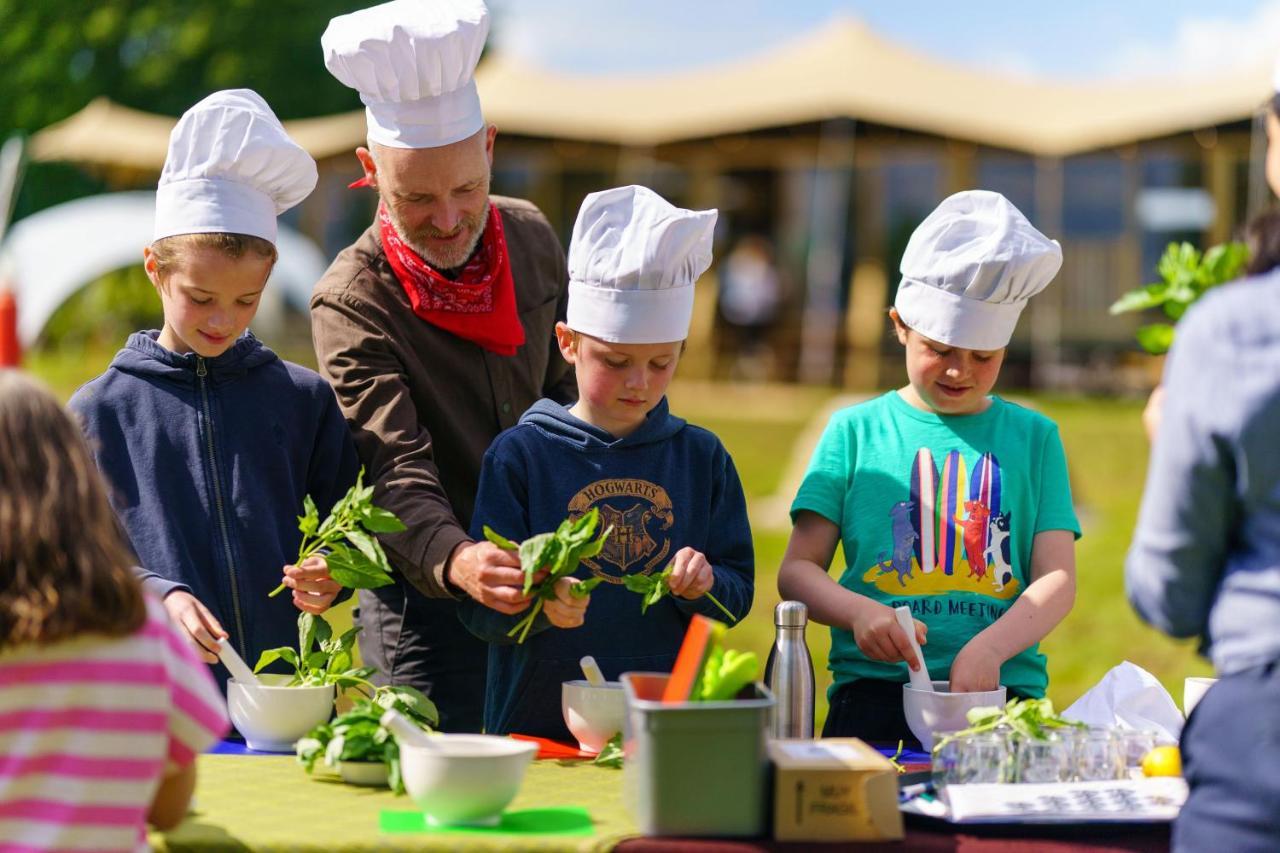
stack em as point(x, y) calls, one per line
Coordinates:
point(938, 512)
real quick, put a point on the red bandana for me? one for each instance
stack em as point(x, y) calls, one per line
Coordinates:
point(479, 306)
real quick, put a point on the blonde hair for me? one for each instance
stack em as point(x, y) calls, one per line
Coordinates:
point(169, 251)
point(64, 567)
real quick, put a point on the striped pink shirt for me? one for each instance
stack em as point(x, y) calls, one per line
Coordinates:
point(87, 729)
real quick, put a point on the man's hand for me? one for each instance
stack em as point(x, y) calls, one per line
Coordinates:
point(879, 637)
point(565, 611)
point(490, 575)
point(313, 589)
point(976, 667)
point(195, 620)
point(691, 575)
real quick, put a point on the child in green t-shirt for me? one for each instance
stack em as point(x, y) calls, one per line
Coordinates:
point(944, 497)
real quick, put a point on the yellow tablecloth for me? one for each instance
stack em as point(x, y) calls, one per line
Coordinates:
point(268, 803)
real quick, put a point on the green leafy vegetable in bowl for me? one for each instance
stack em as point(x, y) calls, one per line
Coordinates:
point(724, 674)
point(559, 553)
point(348, 536)
point(1185, 275)
point(330, 664)
point(1030, 718)
point(357, 735)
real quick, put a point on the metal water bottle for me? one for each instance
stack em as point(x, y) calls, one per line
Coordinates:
point(789, 673)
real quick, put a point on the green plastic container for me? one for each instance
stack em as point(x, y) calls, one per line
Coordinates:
point(695, 768)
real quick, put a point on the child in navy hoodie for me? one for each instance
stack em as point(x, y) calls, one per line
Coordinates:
point(208, 441)
point(668, 489)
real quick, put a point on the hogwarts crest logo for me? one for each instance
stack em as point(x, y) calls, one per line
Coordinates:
point(639, 513)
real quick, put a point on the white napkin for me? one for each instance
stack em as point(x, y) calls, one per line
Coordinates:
point(1129, 697)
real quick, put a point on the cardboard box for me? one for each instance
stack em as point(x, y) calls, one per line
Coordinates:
point(837, 789)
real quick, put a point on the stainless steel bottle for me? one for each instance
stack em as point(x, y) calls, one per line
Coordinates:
point(789, 673)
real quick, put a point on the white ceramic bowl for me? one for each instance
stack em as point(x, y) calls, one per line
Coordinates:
point(1193, 689)
point(593, 714)
point(942, 711)
point(465, 780)
point(271, 716)
point(370, 774)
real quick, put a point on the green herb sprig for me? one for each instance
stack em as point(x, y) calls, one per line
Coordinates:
point(653, 588)
point(559, 553)
point(330, 664)
point(355, 557)
point(358, 735)
point(1031, 718)
point(610, 754)
point(1185, 275)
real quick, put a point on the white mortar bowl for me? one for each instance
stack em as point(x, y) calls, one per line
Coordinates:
point(465, 780)
point(593, 713)
point(941, 711)
point(271, 716)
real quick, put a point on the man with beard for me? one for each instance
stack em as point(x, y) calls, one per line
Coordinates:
point(436, 330)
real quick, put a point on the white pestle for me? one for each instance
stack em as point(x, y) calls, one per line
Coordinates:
point(235, 664)
point(919, 677)
point(592, 671)
point(405, 731)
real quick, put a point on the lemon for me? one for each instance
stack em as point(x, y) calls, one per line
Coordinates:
point(1162, 761)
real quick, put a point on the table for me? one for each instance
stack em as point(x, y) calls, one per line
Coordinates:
point(268, 803)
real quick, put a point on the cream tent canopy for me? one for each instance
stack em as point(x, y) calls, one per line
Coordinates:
point(842, 70)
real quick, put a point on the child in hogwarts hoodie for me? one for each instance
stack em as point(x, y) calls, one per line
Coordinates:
point(669, 489)
point(208, 441)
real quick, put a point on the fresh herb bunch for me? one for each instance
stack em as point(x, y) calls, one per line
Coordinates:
point(1185, 275)
point(354, 555)
point(724, 674)
point(653, 588)
point(611, 754)
point(1031, 718)
point(358, 735)
point(559, 553)
point(330, 664)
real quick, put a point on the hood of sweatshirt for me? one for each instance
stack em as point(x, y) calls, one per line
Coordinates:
point(555, 420)
point(144, 356)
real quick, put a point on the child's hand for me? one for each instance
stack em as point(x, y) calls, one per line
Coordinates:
point(565, 611)
point(876, 631)
point(313, 589)
point(691, 575)
point(195, 620)
point(977, 667)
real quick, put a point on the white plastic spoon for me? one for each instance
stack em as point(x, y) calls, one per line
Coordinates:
point(405, 731)
point(592, 671)
point(235, 664)
point(919, 677)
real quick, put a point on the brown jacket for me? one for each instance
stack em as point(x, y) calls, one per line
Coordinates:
point(424, 404)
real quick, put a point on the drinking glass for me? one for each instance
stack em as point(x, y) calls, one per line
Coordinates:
point(1044, 760)
point(946, 762)
point(1134, 745)
point(984, 758)
point(1098, 754)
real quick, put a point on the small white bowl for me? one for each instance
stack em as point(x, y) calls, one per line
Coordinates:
point(271, 716)
point(1193, 690)
point(593, 713)
point(370, 774)
point(942, 711)
point(465, 780)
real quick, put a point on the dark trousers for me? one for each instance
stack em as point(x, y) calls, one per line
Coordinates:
point(419, 641)
point(871, 709)
point(1231, 760)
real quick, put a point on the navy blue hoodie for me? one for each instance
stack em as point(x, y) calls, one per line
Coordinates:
point(207, 461)
point(665, 486)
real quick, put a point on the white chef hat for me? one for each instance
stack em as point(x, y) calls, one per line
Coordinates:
point(230, 169)
point(969, 270)
point(412, 62)
point(633, 261)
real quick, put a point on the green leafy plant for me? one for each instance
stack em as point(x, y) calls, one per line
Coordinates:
point(611, 754)
point(1031, 718)
point(559, 553)
point(329, 664)
point(354, 555)
point(724, 674)
point(653, 588)
point(358, 734)
point(1185, 275)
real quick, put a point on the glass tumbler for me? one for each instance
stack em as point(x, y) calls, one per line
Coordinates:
point(984, 758)
point(1099, 754)
point(1044, 760)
